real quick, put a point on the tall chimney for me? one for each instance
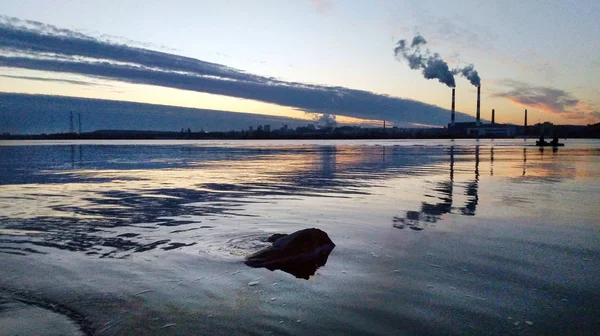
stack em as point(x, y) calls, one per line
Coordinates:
point(452, 116)
point(493, 116)
point(478, 120)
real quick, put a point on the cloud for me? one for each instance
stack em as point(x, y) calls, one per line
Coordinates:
point(56, 80)
point(25, 113)
point(461, 32)
point(547, 99)
point(322, 6)
point(456, 30)
point(544, 98)
point(326, 121)
point(34, 45)
point(575, 115)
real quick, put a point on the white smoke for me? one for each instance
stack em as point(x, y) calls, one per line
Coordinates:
point(326, 120)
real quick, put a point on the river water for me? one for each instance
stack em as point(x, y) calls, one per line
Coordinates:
point(432, 237)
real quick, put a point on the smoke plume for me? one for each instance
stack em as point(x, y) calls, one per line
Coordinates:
point(326, 121)
point(431, 65)
point(469, 73)
point(417, 41)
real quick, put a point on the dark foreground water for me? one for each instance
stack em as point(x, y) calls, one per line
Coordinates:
point(432, 237)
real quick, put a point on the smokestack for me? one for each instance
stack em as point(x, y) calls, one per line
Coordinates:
point(79, 119)
point(452, 115)
point(384, 125)
point(493, 116)
point(525, 118)
point(478, 120)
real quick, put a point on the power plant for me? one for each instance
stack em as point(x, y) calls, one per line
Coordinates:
point(477, 128)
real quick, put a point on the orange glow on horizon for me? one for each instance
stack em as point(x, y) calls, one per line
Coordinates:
point(150, 94)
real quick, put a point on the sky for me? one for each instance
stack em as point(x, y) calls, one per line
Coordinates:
point(302, 58)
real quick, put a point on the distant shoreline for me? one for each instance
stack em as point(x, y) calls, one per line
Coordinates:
point(563, 131)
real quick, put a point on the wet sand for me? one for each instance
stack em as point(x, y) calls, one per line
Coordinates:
point(432, 237)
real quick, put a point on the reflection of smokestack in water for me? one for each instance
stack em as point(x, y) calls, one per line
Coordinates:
point(493, 116)
point(452, 116)
point(525, 125)
point(524, 161)
point(478, 120)
point(451, 170)
point(477, 163)
point(492, 161)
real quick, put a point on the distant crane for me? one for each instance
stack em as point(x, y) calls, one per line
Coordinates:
point(71, 129)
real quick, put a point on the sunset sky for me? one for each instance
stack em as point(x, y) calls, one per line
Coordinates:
point(286, 58)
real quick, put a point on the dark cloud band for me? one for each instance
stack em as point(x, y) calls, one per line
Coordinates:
point(34, 45)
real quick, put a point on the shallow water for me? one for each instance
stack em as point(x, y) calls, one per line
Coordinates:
point(432, 236)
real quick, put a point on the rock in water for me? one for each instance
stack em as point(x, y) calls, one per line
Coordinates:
point(299, 253)
point(274, 237)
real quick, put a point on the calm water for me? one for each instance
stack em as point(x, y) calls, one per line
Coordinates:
point(432, 237)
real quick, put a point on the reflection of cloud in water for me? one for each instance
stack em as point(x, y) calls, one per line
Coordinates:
point(552, 166)
point(117, 200)
point(113, 201)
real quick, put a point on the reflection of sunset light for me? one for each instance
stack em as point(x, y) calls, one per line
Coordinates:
point(56, 200)
point(17, 203)
point(288, 165)
point(40, 200)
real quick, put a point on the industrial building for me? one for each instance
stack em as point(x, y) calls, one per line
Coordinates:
point(476, 128)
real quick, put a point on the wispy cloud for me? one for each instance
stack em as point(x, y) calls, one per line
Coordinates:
point(545, 99)
point(34, 45)
point(456, 30)
point(461, 32)
point(56, 80)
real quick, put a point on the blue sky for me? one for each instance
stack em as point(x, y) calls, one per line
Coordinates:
point(540, 55)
